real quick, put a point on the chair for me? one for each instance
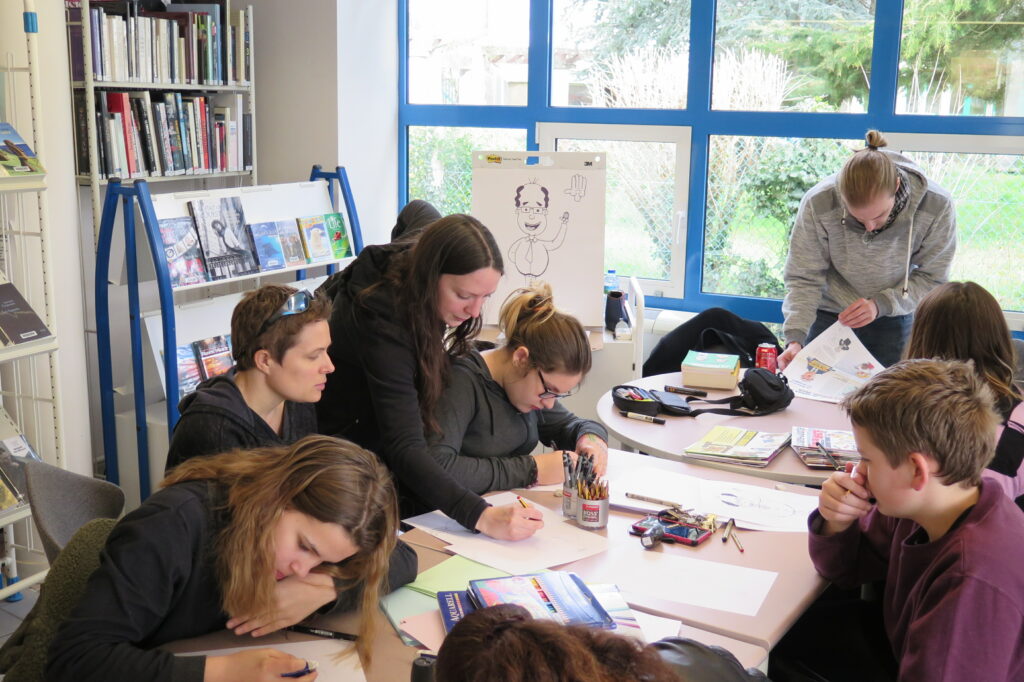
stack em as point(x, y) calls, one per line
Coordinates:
point(62, 502)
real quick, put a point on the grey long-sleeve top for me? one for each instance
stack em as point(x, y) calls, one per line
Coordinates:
point(485, 442)
point(831, 264)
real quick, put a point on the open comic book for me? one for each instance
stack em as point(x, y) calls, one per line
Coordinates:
point(738, 446)
point(832, 365)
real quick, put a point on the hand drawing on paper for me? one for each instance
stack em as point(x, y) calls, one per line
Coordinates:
point(530, 252)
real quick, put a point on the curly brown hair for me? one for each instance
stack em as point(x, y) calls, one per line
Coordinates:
point(258, 306)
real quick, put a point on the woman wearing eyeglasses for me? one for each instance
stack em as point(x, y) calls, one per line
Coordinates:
point(867, 245)
point(402, 311)
point(500, 403)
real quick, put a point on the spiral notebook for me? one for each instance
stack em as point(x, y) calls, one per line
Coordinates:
point(558, 595)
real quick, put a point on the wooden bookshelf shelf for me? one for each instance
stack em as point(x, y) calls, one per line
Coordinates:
point(184, 87)
point(87, 180)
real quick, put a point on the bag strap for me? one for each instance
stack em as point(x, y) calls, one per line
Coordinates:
point(733, 401)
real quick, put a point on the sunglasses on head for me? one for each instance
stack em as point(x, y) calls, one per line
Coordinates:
point(298, 302)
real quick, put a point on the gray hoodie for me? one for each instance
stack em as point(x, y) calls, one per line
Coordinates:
point(486, 442)
point(831, 265)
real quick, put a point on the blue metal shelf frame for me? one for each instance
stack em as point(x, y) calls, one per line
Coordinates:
point(697, 115)
point(128, 196)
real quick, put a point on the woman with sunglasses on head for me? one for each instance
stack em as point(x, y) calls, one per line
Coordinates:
point(213, 545)
point(500, 403)
point(280, 339)
point(402, 311)
point(867, 244)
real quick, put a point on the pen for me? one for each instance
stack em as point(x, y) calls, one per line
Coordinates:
point(311, 666)
point(736, 538)
point(641, 417)
point(681, 390)
point(322, 632)
point(653, 500)
point(728, 529)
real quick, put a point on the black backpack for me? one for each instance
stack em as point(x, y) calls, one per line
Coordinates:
point(761, 392)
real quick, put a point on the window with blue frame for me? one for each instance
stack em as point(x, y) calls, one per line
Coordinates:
point(772, 97)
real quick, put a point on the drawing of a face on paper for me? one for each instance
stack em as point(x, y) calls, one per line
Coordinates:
point(529, 253)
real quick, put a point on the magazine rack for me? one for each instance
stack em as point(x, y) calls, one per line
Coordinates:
point(128, 195)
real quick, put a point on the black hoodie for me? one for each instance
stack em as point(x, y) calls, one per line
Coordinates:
point(217, 419)
point(371, 397)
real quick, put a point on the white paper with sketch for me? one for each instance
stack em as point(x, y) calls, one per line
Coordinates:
point(753, 507)
point(324, 652)
point(558, 542)
point(548, 218)
point(833, 364)
point(712, 585)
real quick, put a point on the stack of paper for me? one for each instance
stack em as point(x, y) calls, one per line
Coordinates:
point(558, 542)
point(738, 446)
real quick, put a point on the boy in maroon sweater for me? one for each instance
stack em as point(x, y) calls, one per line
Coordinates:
point(916, 514)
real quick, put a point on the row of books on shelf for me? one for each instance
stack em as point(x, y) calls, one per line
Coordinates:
point(217, 242)
point(201, 360)
point(189, 43)
point(16, 156)
point(152, 134)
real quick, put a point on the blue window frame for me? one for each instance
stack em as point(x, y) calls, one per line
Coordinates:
point(703, 122)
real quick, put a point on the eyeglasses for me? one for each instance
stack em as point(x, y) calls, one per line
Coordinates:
point(297, 303)
point(535, 210)
point(548, 393)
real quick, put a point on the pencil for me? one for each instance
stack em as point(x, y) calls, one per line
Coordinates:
point(736, 538)
point(522, 502)
point(728, 529)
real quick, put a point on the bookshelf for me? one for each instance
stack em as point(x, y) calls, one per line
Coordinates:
point(30, 402)
point(192, 72)
point(142, 407)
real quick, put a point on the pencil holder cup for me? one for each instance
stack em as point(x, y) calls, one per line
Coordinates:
point(569, 498)
point(592, 514)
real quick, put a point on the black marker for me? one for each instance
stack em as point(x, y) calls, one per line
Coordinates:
point(686, 391)
point(641, 417)
point(322, 632)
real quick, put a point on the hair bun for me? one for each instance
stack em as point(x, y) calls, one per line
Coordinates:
point(874, 140)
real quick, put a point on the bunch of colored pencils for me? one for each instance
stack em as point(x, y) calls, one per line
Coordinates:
point(597, 490)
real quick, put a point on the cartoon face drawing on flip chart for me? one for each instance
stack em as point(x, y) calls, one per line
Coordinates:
point(546, 211)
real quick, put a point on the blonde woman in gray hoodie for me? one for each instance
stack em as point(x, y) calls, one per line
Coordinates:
point(868, 243)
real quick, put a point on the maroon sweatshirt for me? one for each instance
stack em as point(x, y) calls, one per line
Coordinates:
point(953, 608)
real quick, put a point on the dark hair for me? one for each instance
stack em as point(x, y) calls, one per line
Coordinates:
point(328, 479)
point(520, 188)
point(941, 408)
point(255, 308)
point(454, 245)
point(505, 644)
point(868, 173)
point(963, 321)
point(557, 342)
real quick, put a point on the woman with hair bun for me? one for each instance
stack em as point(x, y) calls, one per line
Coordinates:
point(500, 403)
point(867, 245)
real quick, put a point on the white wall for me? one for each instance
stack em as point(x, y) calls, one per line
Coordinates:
point(62, 203)
point(327, 93)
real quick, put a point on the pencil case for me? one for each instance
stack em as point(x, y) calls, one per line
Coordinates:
point(650, 403)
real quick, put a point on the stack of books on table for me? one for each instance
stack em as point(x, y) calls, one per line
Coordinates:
point(738, 446)
point(710, 370)
point(837, 447)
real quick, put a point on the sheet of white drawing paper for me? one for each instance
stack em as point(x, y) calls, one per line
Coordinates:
point(323, 651)
point(833, 364)
point(558, 542)
point(753, 507)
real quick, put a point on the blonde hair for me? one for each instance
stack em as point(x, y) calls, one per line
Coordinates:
point(941, 408)
point(326, 478)
point(868, 173)
point(557, 342)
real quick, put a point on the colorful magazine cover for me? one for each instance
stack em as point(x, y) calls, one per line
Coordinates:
point(315, 239)
point(267, 242)
point(16, 157)
point(214, 355)
point(189, 373)
point(337, 231)
point(227, 248)
point(182, 251)
point(560, 596)
point(291, 243)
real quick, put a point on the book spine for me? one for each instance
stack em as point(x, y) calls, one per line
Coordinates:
point(81, 132)
point(76, 41)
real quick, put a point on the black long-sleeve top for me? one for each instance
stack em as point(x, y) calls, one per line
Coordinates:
point(156, 583)
point(371, 397)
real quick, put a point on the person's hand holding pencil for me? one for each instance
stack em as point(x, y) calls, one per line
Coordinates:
point(844, 498)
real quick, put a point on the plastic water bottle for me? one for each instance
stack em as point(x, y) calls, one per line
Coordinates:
point(611, 281)
point(623, 332)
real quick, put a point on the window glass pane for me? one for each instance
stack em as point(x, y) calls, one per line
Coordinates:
point(639, 193)
point(754, 189)
point(962, 58)
point(792, 55)
point(988, 190)
point(468, 51)
point(441, 162)
point(620, 53)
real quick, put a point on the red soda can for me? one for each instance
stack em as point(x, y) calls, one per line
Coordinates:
point(767, 357)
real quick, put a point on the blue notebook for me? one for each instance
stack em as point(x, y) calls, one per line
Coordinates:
point(560, 596)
